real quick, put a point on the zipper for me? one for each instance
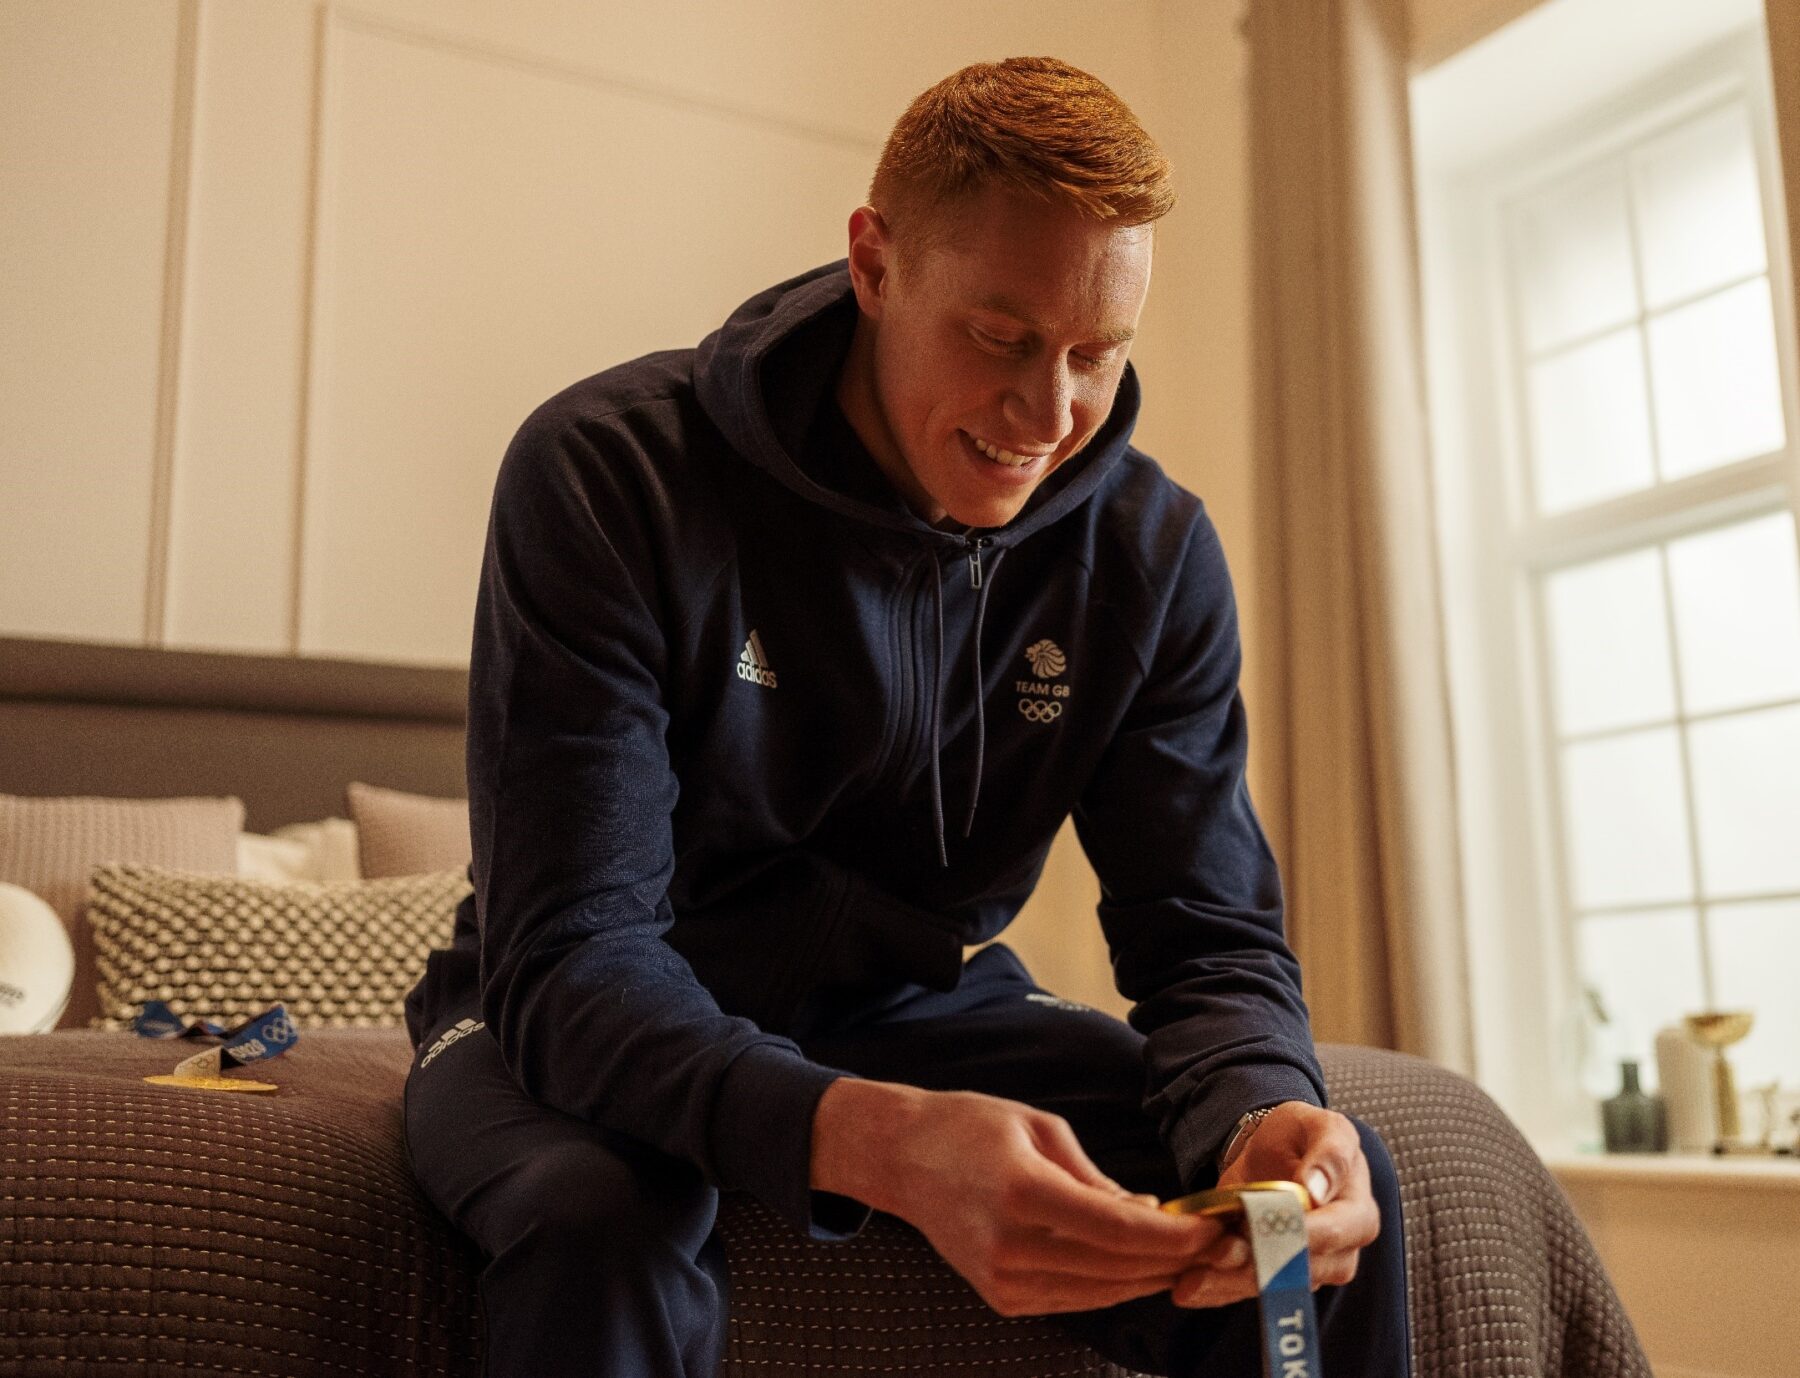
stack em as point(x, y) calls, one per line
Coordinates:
point(907, 693)
point(974, 546)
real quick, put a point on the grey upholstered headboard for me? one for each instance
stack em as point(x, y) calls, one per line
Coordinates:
point(284, 734)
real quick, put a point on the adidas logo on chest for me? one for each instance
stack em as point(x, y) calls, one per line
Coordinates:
point(753, 663)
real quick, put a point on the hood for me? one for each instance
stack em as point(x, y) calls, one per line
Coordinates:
point(762, 376)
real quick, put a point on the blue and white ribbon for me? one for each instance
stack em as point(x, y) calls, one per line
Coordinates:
point(262, 1036)
point(157, 1020)
point(1276, 1224)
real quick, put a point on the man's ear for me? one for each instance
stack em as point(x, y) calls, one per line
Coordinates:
point(871, 259)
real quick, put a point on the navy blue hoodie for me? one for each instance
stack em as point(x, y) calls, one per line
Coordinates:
point(746, 734)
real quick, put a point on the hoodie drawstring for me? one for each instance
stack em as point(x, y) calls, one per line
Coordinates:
point(937, 706)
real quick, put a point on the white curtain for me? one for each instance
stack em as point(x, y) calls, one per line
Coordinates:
point(1353, 721)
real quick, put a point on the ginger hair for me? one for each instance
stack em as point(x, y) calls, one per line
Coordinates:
point(1033, 124)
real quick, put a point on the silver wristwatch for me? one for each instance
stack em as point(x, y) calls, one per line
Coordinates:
point(1246, 1126)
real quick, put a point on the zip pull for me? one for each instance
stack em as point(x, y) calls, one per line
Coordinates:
point(975, 545)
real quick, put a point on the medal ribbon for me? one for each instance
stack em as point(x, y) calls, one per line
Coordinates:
point(157, 1020)
point(265, 1035)
point(1277, 1229)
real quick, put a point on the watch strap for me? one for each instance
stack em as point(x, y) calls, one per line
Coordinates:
point(1240, 1134)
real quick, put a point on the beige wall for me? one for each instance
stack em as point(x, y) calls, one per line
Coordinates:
point(1703, 1257)
point(82, 292)
point(292, 272)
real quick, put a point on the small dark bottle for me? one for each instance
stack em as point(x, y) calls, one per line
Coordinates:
point(1632, 1121)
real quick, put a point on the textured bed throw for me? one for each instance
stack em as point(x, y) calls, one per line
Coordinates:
point(164, 1232)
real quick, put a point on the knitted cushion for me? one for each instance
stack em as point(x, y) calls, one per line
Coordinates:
point(226, 948)
point(49, 846)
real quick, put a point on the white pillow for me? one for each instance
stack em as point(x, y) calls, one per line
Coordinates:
point(275, 860)
point(323, 852)
point(37, 963)
point(337, 844)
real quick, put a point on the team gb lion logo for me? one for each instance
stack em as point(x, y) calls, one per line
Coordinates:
point(1046, 659)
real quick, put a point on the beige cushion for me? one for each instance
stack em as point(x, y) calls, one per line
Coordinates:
point(401, 834)
point(50, 845)
point(226, 948)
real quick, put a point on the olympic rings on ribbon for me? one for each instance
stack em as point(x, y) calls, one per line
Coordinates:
point(1040, 710)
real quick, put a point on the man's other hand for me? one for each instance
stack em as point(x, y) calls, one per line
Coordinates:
point(1321, 1150)
point(1005, 1194)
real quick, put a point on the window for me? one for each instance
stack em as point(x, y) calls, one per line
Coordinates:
point(1623, 578)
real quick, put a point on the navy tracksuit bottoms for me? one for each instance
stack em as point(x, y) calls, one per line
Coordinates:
point(601, 1259)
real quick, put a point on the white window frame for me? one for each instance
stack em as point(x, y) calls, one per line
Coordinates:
point(1525, 1005)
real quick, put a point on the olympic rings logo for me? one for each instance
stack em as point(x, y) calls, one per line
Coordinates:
point(1279, 1224)
point(278, 1030)
point(1040, 710)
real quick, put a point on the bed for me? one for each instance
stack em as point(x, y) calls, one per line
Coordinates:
point(148, 1230)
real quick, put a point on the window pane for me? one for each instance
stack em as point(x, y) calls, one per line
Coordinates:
point(1572, 248)
point(1755, 955)
point(1627, 829)
point(1646, 970)
point(1718, 397)
point(1747, 801)
point(1737, 614)
point(1700, 213)
point(1609, 643)
point(1590, 427)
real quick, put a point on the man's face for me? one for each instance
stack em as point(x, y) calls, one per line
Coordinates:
point(1010, 332)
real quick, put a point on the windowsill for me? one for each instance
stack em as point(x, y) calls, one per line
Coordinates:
point(1747, 1173)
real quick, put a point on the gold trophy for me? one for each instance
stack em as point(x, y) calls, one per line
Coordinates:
point(1718, 1030)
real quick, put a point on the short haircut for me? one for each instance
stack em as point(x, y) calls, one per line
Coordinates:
point(1035, 124)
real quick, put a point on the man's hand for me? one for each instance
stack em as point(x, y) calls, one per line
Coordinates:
point(1004, 1193)
point(1322, 1151)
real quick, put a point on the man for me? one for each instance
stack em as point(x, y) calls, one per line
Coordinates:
point(754, 618)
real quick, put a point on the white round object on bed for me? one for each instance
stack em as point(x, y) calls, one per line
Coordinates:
point(37, 964)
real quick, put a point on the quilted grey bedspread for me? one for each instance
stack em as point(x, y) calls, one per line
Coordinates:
point(149, 1230)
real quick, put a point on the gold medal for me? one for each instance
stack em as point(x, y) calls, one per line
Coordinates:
point(214, 1083)
point(1227, 1201)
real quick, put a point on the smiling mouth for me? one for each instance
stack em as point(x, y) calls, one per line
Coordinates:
point(1004, 456)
